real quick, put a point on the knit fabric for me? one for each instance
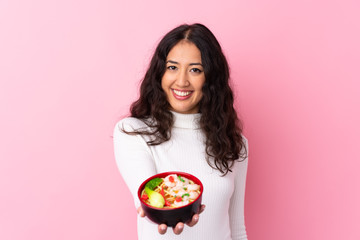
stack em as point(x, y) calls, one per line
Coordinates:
point(223, 218)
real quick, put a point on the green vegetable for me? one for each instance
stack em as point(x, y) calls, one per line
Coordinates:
point(153, 183)
point(180, 178)
point(185, 194)
point(155, 198)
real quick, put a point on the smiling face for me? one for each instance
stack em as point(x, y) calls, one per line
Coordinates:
point(184, 78)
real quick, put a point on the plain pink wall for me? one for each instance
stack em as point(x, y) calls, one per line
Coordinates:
point(70, 69)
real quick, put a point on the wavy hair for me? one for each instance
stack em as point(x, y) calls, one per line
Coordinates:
point(219, 121)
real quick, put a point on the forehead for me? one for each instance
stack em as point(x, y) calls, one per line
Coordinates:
point(184, 51)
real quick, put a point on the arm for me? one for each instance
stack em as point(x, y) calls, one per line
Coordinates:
point(236, 209)
point(133, 158)
point(135, 163)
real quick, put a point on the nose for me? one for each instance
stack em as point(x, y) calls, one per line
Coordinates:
point(182, 79)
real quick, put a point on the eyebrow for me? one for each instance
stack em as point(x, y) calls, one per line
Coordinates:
point(174, 62)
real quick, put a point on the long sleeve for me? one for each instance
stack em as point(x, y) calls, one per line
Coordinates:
point(133, 156)
point(236, 209)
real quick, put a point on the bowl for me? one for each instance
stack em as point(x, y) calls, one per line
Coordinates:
point(171, 216)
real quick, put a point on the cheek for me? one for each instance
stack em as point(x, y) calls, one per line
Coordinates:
point(200, 84)
point(165, 81)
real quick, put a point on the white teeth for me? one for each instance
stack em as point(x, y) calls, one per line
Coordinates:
point(181, 93)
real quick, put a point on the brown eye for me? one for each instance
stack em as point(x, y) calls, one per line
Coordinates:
point(172, 67)
point(195, 70)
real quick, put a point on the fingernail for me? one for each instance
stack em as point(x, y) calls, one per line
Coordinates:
point(196, 218)
point(163, 227)
point(180, 226)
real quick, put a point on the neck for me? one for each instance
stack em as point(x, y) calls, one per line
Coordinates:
point(188, 121)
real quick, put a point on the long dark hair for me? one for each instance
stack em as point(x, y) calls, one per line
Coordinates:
point(218, 121)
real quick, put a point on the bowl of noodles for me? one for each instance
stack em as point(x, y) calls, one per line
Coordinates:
point(171, 197)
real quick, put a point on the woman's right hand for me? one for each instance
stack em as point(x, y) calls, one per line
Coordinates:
point(179, 226)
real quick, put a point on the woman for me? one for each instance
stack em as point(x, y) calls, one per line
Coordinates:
point(184, 120)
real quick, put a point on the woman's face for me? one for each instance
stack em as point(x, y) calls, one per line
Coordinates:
point(183, 78)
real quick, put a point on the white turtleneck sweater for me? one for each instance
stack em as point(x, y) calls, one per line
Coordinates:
point(223, 218)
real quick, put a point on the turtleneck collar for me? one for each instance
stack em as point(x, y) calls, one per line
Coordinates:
point(188, 121)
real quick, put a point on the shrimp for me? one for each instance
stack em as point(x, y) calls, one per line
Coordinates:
point(181, 181)
point(170, 181)
point(181, 192)
point(181, 203)
point(193, 195)
point(193, 187)
point(169, 184)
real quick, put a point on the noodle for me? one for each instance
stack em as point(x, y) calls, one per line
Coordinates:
point(177, 191)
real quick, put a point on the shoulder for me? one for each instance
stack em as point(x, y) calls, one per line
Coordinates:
point(242, 162)
point(246, 142)
point(244, 139)
point(130, 124)
point(125, 132)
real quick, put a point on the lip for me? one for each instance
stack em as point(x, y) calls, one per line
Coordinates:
point(181, 97)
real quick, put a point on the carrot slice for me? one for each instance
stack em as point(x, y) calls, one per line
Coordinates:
point(163, 194)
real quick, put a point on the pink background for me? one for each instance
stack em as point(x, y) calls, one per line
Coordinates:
point(69, 70)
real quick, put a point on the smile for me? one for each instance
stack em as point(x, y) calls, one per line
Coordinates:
point(181, 95)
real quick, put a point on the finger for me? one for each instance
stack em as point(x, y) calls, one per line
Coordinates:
point(178, 228)
point(193, 221)
point(141, 212)
point(162, 228)
point(195, 218)
point(202, 208)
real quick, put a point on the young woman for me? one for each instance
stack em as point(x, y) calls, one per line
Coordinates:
point(184, 120)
